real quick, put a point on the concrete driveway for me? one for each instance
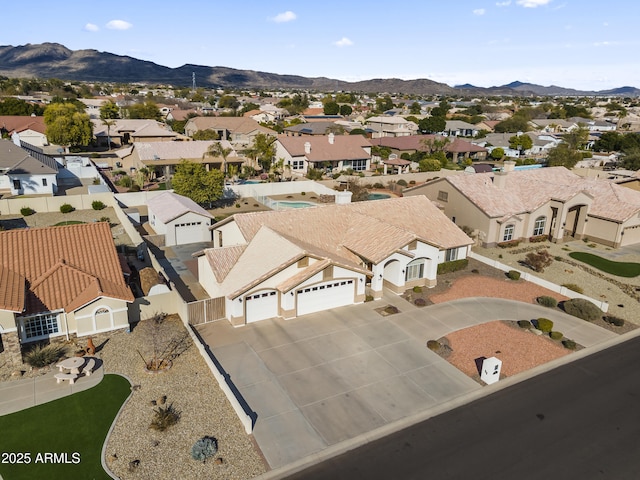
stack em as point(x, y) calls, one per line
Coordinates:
point(325, 378)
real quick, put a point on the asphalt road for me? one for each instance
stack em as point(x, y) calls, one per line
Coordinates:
point(579, 421)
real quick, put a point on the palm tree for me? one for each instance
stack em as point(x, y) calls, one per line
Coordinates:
point(108, 123)
point(217, 150)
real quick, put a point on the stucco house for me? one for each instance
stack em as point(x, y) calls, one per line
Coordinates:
point(59, 281)
point(128, 131)
point(517, 205)
point(179, 219)
point(390, 126)
point(31, 129)
point(240, 131)
point(25, 170)
point(335, 152)
point(293, 262)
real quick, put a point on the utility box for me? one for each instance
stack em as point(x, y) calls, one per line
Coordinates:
point(490, 372)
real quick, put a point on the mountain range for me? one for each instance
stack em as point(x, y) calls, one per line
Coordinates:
point(52, 60)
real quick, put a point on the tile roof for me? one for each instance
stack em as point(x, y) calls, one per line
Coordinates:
point(344, 147)
point(526, 190)
point(149, 151)
point(233, 124)
point(169, 205)
point(65, 267)
point(459, 145)
point(12, 290)
point(409, 142)
point(19, 123)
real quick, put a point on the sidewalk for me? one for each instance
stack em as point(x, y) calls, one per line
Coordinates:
point(19, 395)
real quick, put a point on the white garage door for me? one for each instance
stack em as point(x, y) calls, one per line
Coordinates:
point(188, 233)
point(631, 236)
point(336, 293)
point(261, 305)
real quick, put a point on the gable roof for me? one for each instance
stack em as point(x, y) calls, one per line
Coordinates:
point(344, 147)
point(20, 123)
point(197, 149)
point(169, 205)
point(64, 267)
point(242, 125)
point(462, 146)
point(409, 142)
point(19, 161)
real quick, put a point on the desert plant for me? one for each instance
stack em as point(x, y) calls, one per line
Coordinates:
point(569, 344)
point(66, 208)
point(574, 287)
point(164, 344)
point(582, 308)
point(204, 448)
point(105, 219)
point(26, 211)
point(544, 324)
point(513, 274)
point(417, 289)
point(539, 260)
point(164, 417)
point(433, 345)
point(40, 356)
point(547, 301)
point(526, 324)
point(98, 205)
point(419, 302)
point(556, 335)
point(613, 320)
point(391, 309)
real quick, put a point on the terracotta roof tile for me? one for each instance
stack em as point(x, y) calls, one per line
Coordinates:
point(12, 290)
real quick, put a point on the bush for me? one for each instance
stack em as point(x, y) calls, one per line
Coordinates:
point(526, 324)
point(453, 266)
point(134, 188)
point(40, 356)
point(26, 211)
point(615, 321)
point(475, 270)
point(556, 335)
point(581, 308)
point(124, 181)
point(237, 205)
point(378, 185)
point(569, 344)
point(105, 219)
point(402, 183)
point(204, 448)
point(513, 274)
point(547, 301)
point(538, 261)
point(98, 205)
point(509, 244)
point(419, 302)
point(164, 417)
point(66, 208)
point(417, 289)
point(538, 238)
point(433, 345)
point(391, 309)
point(573, 286)
point(303, 193)
point(544, 325)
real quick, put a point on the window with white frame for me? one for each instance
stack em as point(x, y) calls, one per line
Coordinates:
point(355, 165)
point(443, 196)
point(41, 325)
point(538, 226)
point(297, 164)
point(451, 254)
point(414, 270)
point(508, 232)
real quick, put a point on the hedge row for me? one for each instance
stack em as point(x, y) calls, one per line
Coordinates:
point(453, 266)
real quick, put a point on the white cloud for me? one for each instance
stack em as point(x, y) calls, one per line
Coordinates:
point(119, 25)
point(532, 3)
point(91, 27)
point(479, 11)
point(343, 42)
point(287, 16)
point(503, 4)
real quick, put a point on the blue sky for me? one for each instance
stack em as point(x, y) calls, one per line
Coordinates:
point(583, 44)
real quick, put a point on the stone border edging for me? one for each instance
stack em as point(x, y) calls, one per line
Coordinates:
point(113, 424)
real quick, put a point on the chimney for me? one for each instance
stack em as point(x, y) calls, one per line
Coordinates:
point(307, 147)
point(331, 138)
point(500, 178)
point(508, 166)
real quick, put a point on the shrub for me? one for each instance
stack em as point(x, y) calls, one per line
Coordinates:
point(105, 219)
point(40, 356)
point(513, 274)
point(412, 182)
point(613, 320)
point(544, 325)
point(164, 417)
point(402, 183)
point(237, 205)
point(26, 211)
point(368, 298)
point(547, 301)
point(569, 344)
point(558, 258)
point(509, 244)
point(475, 270)
point(378, 185)
point(419, 302)
point(417, 289)
point(124, 181)
point(66, 208)
point(453, 266)
point(556, 335)
point(433, 345)
point(538, 238)
point(573, 286)
point(538, 261)
point(134, 188)
point(204, 448)
point(524, 324)
point(98, 205)
point(582, 308)
point(303, 193)
point(391, 309)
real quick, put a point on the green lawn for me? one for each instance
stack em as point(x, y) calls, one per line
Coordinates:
point(68, 222)
point(76, 424)
point(621, 269)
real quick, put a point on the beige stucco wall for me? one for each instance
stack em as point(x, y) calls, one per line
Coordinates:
point(7, 320)
point(230, 235)
point(85, 321)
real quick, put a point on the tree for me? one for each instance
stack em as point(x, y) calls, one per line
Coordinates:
point(217, 150)
point(564, 156)
point(262, 150)
point(109, 112)
point(346, 110)
point(67, 125)
point(147, 110)
point(206, 134)
point(577, 138)
point(429, 165)
point(432, 124)
point(520, 142)
point(228, 101)
point(384, 104)
point(15, 106)
point(192, 180)
point(331, 108)
point(414, 109)
point(512, 125)
point(497, 153)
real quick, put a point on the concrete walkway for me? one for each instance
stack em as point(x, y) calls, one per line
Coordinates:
point(16, 395)
point(330, 378)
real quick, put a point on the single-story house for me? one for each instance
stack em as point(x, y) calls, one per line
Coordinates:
point(335, 152)
point(32, 129)
point(26, 170)
point(179, 219)
point(128, 131)
point(239, 131)
point(293, 262)
point(517, 205)
point(59, 281)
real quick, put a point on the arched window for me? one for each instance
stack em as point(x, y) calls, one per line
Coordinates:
point(414, 270)
point(508, 232)
point(538, 226)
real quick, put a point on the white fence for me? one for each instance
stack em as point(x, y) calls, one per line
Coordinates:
point(604, 306)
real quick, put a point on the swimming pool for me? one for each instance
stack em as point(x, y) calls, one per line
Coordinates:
point(281, 204)
point(378, 196)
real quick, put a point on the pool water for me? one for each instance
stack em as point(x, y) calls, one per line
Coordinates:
point(286, 204)
point(378, 196)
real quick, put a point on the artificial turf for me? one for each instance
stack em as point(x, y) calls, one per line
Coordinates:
point(75, 425)
point(621, 269)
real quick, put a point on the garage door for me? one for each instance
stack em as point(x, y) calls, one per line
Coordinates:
point(324, 296)
point(261, 305)
point(631, 236)
point(188, 233)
